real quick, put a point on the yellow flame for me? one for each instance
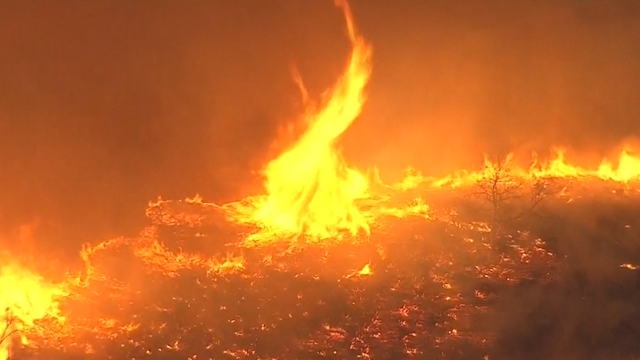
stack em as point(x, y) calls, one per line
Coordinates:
point(366, 270)
point(25, 298)
point(311, 190)
point(625, 171)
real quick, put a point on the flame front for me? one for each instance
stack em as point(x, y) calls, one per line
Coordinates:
point(311, 190)
point(25, 298)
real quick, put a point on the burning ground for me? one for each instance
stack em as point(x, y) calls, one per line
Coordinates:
point(503, 262)
point(418, 287)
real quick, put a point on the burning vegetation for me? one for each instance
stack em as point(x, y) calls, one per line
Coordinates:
point(330, 262)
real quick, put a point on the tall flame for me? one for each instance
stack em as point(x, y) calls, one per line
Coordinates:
point(311, 190)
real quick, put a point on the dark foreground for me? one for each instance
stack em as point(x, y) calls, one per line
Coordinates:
point(552, 288)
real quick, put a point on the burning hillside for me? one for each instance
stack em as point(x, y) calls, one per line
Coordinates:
point(330, 262)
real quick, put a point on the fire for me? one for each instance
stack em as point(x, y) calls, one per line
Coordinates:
point(630, 266)
point(366, 270)
point(311, 192)
point(628, 168)
point(625, 171)
point(311, 189)
point(25, 299)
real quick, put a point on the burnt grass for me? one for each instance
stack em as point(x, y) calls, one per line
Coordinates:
point(552, 288)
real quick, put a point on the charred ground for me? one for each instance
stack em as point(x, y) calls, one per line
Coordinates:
point(553, 287)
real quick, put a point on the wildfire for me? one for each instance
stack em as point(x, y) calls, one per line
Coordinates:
point(625, 172)
point(311, 194)
point(627, 169)
point(311, 189)
point(25, 299)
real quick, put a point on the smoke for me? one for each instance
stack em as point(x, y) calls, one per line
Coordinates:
point(453, 80)
point(106, 105)
point(590, 311)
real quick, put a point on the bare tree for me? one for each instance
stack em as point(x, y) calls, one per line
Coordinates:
point(509, 196)
point(10, 327)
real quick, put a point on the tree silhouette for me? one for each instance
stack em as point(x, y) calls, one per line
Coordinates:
point(509, 196)
point(10, 327)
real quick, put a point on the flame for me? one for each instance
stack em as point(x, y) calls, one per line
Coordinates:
point(628, 168)
point(626, 171)
point(366, 270)
point(310, 187)
point(25, 298)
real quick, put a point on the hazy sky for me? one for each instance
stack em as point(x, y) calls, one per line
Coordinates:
point(105, 105)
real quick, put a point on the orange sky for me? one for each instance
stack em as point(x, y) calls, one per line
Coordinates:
point(105, 105)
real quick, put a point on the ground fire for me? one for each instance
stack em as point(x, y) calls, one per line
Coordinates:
point(331, 262)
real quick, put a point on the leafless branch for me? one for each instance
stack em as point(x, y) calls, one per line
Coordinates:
point(9, 329)
point(499, 187)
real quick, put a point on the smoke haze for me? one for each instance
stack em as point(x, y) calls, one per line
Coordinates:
point(105, 105)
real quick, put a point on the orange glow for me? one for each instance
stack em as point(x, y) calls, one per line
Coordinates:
point(311, 194)
point(311, 189)
point(626, 170)
point(25, 299)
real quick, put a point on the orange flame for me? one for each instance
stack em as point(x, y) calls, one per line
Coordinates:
point(25, 298)
point(311, 190)
point(625, 171)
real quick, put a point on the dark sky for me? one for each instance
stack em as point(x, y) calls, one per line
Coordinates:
point(105, 105)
